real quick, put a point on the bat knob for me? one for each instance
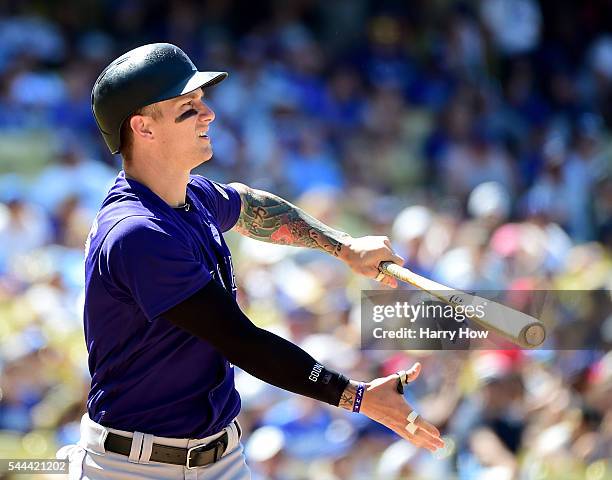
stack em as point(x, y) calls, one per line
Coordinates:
point(535, 335)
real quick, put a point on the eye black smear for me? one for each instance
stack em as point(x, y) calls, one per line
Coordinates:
point(184, 116)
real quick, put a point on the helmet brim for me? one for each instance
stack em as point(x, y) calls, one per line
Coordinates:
point(197, 80)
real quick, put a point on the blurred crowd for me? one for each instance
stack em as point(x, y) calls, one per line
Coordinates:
point(476, 134)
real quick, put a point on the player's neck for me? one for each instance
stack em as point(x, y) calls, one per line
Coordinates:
point(166, 181)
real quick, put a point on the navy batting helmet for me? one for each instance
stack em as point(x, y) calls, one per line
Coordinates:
point(140, 77)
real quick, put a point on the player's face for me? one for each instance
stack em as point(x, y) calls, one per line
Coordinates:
point(183, 129)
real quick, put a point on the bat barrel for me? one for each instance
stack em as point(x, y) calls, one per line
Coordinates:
point(520, 328)
point(533, 335)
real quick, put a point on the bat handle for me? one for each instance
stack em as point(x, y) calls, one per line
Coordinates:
point(396, 271)
point(384, 267)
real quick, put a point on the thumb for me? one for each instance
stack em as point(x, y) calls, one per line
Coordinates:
point(407, 376)
point(413, 373)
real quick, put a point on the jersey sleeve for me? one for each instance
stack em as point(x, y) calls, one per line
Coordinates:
point(222, 200)
point(150, 264)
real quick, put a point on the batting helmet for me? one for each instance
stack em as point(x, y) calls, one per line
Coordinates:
point(140, 77)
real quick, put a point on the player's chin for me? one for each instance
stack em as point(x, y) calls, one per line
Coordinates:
point(206, 153)
point(198, 158)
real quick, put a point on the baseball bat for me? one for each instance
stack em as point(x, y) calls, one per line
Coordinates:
point(518, 327)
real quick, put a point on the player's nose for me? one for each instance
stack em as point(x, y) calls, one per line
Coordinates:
point(205, 113)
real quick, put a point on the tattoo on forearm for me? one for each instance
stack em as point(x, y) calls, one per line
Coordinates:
point(347, 399)
point(269, 218)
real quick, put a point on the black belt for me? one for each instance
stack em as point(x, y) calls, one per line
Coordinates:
point(193, 457)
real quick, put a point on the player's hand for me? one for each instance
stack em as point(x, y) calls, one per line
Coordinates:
point(364, 254)
point(383, 403)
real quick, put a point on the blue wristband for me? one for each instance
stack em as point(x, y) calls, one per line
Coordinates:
point(358, 397)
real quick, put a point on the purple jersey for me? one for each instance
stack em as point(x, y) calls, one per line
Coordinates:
point(142, 258)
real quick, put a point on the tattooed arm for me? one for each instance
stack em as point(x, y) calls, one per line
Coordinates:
point(266, 217)
point(269, 218)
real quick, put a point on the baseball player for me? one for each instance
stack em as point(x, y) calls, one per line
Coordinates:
point(162, 326)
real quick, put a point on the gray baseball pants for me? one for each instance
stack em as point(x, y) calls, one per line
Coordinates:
point(89, 460)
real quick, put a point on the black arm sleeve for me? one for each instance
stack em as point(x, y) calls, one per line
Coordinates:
point(213, 315)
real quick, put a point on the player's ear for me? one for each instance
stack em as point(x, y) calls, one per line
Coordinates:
point(141, 127)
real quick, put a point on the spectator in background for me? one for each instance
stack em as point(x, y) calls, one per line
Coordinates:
point(71, 173)
point(549, 196)
point(514, 24)
point(585, 166)
point(24, 227)
point(310, 165)
point(481, 159)
point(596, 85)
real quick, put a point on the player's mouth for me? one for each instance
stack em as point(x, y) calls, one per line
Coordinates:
point(203, 135)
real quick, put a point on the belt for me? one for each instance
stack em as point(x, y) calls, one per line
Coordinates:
point(193, 457)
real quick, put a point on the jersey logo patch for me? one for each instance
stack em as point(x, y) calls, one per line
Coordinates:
point(220, 190)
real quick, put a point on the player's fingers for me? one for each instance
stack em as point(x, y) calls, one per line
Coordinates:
point(417, 429)
point(415, 439)
point(413, 373)
point(427, 427)
point(374, 273)
point(412, 438)
point(395, 258)
point(398, 260)
point(380, 277)
point(408, 376)
point(424, 429)
point(422, 443)
point(389, 281)
point(426, 437)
